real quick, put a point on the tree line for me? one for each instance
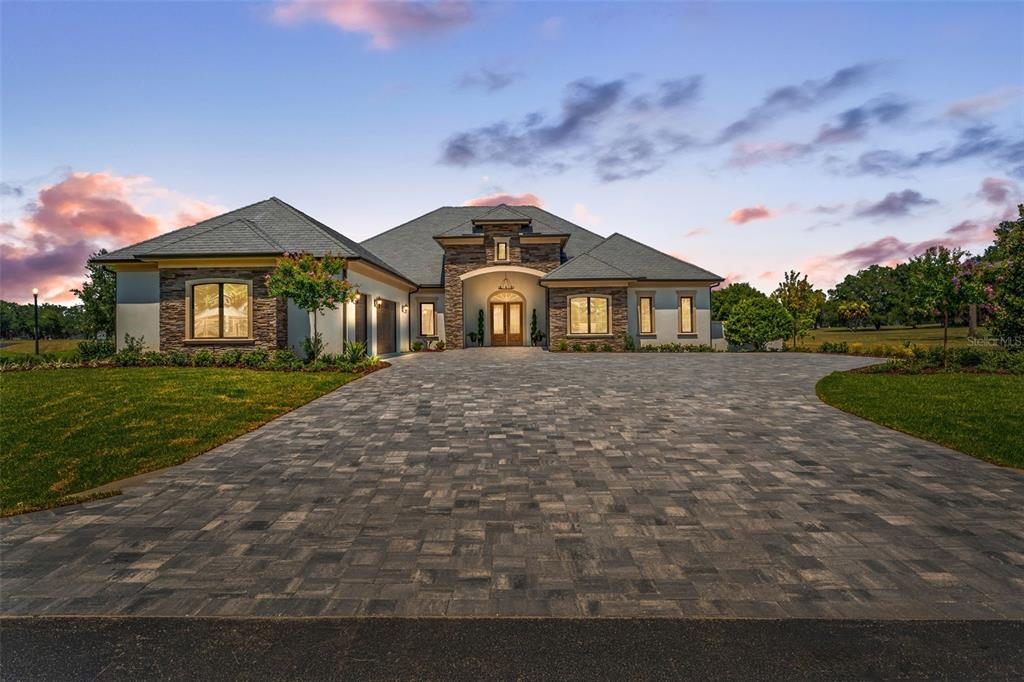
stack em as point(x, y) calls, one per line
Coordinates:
point(941, 285)
point(94, 315)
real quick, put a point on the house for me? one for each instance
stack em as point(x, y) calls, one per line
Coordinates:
point(429, 279)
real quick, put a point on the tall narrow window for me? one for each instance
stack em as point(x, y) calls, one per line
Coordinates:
point(589, 315)
point(220, 310)
point(646, 315)
point(686, 323)
point(427, 319)
point(501, 249)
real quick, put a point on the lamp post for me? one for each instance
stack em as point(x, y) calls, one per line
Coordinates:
point(35, 299)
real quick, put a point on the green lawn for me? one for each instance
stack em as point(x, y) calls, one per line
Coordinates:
point(17, 348)
point(929, 335)
point(66, 431)
point(980, 414)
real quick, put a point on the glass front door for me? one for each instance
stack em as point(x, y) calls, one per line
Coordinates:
point(506, 324)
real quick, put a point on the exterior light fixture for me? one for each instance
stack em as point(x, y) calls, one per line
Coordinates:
point(35, 300)
point(378, 303)
point(405, 308)
point(506, 285)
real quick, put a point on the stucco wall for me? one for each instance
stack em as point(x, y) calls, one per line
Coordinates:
point(666, 314)
point(375, 289)
point(414, 316)
point(138, 307)
point(476, 291)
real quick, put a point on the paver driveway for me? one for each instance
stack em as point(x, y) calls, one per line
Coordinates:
point(520, 482)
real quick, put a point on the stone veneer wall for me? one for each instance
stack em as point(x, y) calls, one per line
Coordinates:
point(558, 315)
point(461, 259)
point(270, 314)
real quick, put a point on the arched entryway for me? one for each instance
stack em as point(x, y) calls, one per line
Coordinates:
point(507, 317)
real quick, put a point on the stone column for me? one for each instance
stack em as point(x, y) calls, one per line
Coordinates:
point(455, 336)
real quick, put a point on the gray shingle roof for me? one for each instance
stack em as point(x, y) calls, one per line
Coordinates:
point(411, 247)
point(268, 227)
point(620, 254)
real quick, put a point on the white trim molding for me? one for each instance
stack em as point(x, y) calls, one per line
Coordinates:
point(502, 268)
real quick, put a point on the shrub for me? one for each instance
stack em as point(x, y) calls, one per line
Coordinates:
point(229, 358)
point(757, 321)
point(154, 358)
point(439, 345)
point(591, 347)
point(178, 358)
point(417, 346)
point(355, 352)
point(313, 345)
point(577, 347)
point(255, 358)
point(563, 345)
point(834, 347)
point(95, 349)
point(607, 348)
point(628, 343)
point(964, 357)
point(284, 358)
point(203, 358)
point(131, 354)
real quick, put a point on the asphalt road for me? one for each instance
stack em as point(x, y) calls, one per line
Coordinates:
point(87, 648)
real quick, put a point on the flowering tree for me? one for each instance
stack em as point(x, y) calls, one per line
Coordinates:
point(1003, 281)
point(939, 276)
point(314, 286)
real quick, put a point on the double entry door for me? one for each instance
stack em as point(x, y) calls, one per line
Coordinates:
point(506, 324)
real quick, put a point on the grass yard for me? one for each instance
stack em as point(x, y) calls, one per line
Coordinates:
point(15, 349)
point(980, 414)
point(67, 431)
point(929, 335)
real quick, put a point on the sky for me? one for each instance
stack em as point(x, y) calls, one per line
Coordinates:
point(748, 138)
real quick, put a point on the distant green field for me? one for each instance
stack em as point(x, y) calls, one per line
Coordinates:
point(925, 335)
point(15, 348)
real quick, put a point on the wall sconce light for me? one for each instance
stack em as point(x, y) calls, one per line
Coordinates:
point(405, 308)
point(378, 302)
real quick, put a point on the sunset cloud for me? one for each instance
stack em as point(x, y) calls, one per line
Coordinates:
point(986, 103)
point(697, 232)
point(584, 216)
point(742, 216)
point(47, 245)
point(746, 154)
point(385, 22)
point(997, 191)
point(895, 204)
point(525, 199)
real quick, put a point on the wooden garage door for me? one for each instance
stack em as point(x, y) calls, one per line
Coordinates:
point(387, 327)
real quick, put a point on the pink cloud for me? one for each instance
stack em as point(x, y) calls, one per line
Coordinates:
point(47, 246)
point(749, 154)
point(985, 103)
point(768, 274)
point(696, 232)
point(525, 199)
point(733, 278)
point(997, 191)
point(384, 22)
point(741, 216)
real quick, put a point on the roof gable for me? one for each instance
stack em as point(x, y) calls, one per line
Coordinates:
point(635, 259)
point(502, 213)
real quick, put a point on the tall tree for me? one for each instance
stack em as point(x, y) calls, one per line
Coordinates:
point(938, 274)
point(99, 299)
point(801, 301)
point(723, 300)
point(1004, 290)
point(314, 285)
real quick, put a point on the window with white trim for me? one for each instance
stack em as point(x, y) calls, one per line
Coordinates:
point(645, 314)
point(589, 315)
point(686, 315)
point(427, 319)
point(220, 310)
point(501, 249)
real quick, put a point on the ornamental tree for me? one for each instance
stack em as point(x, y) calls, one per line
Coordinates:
point(314, 285)
point(854, 313)
point(757, 321)
point(99, 299)
point(938, 275)
point(1004, 288)
point(723, 300)
point(800, 300)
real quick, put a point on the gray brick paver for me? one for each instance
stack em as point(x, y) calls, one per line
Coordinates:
point(516, 482)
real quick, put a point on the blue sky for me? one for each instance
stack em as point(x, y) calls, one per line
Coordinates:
point(834, 134)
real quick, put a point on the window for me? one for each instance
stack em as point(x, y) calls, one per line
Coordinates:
point(427, 319)
point(588, 315)
point(645, 316)
point(501, 249)
point(686, 323)
point(220, 310)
